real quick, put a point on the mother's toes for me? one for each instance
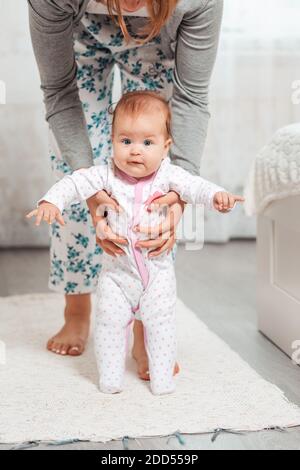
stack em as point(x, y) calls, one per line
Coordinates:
point(64, 349)
point(76, 350)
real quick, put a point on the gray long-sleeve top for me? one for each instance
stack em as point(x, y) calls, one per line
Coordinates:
point(193, 34)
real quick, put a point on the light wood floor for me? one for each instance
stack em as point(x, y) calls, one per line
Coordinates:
point(218, 283)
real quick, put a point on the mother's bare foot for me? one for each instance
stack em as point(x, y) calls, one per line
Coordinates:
point(72, 338)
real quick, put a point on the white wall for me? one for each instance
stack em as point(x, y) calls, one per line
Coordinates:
point(251, 98)
point(24, 169)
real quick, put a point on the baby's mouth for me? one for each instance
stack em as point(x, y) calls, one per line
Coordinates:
point(136, 163)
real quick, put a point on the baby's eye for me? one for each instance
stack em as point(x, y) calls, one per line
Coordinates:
point(126, 141)
point(148, 142)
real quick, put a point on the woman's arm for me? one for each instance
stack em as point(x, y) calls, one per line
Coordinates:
point(51, 27)
point(196, 49)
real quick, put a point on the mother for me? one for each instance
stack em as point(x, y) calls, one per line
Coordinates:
point(76, 44)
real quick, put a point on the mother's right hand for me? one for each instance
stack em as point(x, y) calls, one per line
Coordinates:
point(107, 239)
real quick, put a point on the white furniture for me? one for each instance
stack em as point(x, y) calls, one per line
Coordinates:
point(273, 194)
point(278, 277)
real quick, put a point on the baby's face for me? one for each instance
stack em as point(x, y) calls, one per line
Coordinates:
point(140, 144)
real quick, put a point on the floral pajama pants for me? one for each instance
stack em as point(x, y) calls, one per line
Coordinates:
point(99, 46)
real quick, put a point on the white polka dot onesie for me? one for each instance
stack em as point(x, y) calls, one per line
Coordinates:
point(134, 285)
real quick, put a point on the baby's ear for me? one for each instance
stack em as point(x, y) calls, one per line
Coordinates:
point(168, 144)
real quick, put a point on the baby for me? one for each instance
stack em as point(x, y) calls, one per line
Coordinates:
point(134, 285)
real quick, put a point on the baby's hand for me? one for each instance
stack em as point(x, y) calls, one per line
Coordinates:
point(224, 202)
point(48, 212)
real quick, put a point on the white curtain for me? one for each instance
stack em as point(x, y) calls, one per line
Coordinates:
point(262, 18)
point(251, 97)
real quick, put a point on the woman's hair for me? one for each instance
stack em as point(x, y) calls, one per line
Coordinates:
point(134, 103)
point(159, 13)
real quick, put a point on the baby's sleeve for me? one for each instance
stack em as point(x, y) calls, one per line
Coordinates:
point(77, 187)
point(191, 188)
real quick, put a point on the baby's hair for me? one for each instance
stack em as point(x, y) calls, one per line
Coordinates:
point(136, 102)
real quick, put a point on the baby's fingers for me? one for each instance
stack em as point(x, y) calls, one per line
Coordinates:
point(225, 201)
point(39, 216)
point(46, 215)
point(52, 217)
point(231, 202)
point(60, 219)
point(239, 198)
point(32, 214)
point(219, 201)
point(219, 198)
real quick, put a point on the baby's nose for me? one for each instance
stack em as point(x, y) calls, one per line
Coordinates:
point(135, 149)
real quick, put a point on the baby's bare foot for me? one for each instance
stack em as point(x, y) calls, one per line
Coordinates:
point(141, 359)
point(72, 338)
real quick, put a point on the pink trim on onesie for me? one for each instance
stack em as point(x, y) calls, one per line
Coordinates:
point(139, 186)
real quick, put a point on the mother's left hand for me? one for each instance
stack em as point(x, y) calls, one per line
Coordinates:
point(165, 233)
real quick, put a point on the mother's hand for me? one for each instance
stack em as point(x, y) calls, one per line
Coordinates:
point(165, 232)
point(107, 239)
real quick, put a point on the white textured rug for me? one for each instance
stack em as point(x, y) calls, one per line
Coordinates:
point(48, 397)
